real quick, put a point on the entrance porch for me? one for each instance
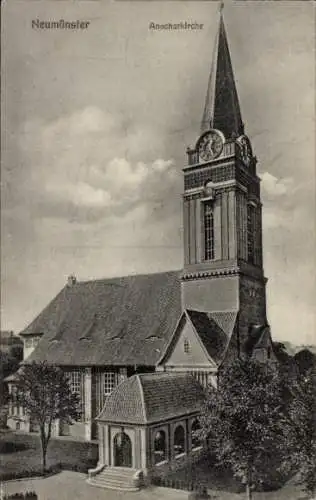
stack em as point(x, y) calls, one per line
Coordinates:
point(149, 424)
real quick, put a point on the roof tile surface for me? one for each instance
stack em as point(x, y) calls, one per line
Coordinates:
point(151, 397)
point(109, 321)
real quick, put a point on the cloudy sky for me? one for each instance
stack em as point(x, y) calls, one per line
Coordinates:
point(95, 127)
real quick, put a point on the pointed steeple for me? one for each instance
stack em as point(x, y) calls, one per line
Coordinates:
point(222, 110)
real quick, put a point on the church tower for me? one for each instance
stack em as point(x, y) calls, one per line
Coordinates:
point(222, 218)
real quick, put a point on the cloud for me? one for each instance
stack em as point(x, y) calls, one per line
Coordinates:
point(275, 187)
point(94, 160)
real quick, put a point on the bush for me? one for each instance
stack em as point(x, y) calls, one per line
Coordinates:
point(12, 447)
point(53, 469)
point(32, 472)
point(83, 468)
point(29, 495)
point(201, 494)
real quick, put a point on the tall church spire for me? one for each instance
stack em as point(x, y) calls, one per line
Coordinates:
point(222, 110)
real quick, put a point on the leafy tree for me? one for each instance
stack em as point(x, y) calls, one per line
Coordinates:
point(301, 445)
point(245, 419)
point(43, 391)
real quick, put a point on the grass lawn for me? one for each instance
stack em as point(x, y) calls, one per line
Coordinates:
point(23, 452)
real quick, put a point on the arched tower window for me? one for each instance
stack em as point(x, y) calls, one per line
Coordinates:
point(179, 440)
point(251, 228)
point(208, 231)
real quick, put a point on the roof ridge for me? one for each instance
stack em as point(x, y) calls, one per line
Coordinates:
point(160, 374)
point(212, 312)
point(110, 278)
point(226, 311)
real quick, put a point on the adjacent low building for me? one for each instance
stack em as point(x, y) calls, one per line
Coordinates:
point(146, 424)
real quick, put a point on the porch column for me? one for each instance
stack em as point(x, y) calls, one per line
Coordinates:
point(170, 441)
point(57, 427)
point(109, 441)
point(187, 437)
point(87, 402)
point(103, 443)
point(106, 445)
point(10, 400)
point(144, 437)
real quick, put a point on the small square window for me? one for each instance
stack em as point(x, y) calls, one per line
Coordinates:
point(186, 346)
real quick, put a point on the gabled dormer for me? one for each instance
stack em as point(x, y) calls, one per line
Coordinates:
point(200, 344)
point(30, 342)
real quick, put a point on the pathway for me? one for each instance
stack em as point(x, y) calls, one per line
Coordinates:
point(72, 485)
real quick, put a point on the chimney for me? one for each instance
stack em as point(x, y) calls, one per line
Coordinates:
point(71, 280)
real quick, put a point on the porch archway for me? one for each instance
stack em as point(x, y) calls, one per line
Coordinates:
point(196, 442)
point(160, 450)
point(179, 440)
point(122, 450)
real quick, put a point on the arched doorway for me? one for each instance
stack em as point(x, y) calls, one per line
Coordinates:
point(122, 450)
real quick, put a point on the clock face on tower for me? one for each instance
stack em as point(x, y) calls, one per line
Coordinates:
point(245, 149)
point(210, 145)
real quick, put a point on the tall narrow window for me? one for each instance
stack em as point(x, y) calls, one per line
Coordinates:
point(186, 346)
point(258, 242)
point(75, 382)
point(110, 382)
point(77, 387)
point(208, 231)
point(251, 233)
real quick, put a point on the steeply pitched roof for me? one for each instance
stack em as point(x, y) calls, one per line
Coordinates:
point(222, 110)
point(214, 330)
point(118, 321)
point(151, 397)
point(213, 336)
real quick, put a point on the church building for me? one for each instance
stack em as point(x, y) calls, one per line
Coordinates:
point(139, 349)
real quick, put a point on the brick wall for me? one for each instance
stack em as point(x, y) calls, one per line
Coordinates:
point(252, 306)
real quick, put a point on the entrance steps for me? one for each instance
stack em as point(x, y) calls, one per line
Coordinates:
point(116, 478)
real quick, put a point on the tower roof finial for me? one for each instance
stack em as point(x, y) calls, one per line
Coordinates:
point(222, 110)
